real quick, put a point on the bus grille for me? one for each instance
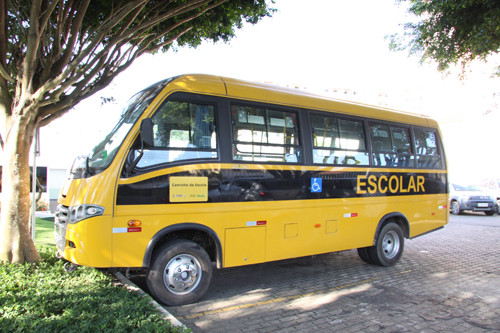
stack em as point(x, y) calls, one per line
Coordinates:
point(62, 214)
point(60, 225)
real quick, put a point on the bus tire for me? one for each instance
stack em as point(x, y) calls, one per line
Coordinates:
point(363, 254)
point(180, 273)
point(389, 246)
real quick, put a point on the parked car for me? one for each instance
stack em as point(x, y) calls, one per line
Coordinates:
point(471, 198)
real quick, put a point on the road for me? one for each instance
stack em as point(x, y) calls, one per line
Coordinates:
point(446, 281)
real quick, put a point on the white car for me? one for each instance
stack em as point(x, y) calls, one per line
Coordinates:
point(471, 198)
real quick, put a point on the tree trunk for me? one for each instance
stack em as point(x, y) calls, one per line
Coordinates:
point(16, 245)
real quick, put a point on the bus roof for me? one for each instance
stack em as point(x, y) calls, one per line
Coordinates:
point(267, 93)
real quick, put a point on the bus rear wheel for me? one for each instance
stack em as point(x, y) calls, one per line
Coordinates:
point(388, 248)
point(180, 273)
point(363, 254)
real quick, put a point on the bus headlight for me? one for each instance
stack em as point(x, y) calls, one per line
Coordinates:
point(82, 212)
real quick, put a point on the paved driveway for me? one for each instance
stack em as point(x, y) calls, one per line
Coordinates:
point(447, 281)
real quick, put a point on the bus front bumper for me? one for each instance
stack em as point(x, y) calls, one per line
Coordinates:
point(84, 243)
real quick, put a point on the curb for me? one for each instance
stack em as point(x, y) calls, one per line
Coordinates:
point(164, 314)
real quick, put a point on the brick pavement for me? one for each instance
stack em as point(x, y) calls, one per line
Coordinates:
point(447, 281)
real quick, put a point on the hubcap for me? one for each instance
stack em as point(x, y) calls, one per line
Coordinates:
point(390, 244)
point(182, 274)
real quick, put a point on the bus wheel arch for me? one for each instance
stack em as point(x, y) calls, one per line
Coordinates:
point(397, 218)
point(200, 234)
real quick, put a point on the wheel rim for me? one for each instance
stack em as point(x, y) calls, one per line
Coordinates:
point(454, 208)
point(182, 274)
point(390, 244)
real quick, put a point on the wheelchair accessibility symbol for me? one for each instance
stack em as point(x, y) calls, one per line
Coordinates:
point(316, 185)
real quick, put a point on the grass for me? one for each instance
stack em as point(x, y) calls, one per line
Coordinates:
point(44, 231)
point(43, 297)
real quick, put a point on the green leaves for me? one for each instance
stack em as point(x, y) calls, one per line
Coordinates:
point(452, 31)
point(43, 297)
point(79, 46)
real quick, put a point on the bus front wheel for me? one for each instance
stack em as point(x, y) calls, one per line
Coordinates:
point(388, 248)
point(180, 273)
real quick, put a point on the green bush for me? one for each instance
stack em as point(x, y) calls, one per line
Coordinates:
point(43, 297)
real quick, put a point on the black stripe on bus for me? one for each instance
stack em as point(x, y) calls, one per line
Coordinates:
point(240, 185)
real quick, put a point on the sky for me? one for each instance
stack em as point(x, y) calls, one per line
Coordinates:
point(317, 45)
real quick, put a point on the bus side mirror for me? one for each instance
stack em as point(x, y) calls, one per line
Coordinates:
point(147, 136)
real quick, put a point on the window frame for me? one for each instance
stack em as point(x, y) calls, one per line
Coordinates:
point(299, 148)
point(339, 117)
point(181, 97)
point(413, 165)
point(439, 147)
point(304, 150)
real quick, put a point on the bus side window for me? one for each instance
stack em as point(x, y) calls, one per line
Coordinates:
point(338, 141)
point(391, 146)
point(427, 149)
point(265, 135)
point(182, 131)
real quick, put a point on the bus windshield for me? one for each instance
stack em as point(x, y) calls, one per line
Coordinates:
point(104, 152)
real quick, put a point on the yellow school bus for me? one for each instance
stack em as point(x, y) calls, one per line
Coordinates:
point(204, 170)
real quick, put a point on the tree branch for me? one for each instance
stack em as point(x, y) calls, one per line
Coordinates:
point(32, 44)
point(171, 28)
point(70, 67)
point(70, 45)
point(44, 121)
point(46, 16)
point(170, 40)
point(6, 75)
point(63, 83)
point(92, 68)
point(3, 33)
point(154, 20)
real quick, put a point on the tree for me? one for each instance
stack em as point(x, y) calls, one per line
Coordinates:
point(452, 31)
point(55, 53)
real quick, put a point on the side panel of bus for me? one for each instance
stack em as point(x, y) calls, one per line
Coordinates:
point(263, 212)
